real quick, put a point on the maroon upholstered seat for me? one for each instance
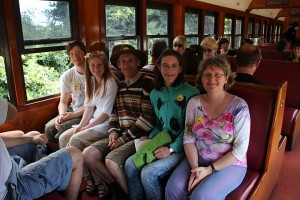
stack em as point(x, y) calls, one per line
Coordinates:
point(274, 72)
point(262, 151)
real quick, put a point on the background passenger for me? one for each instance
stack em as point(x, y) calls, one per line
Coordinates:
point(247, 41)
point(192, 57)
point(223, 44)
point(169, 100)
point(21, 180)
point(215, 140)
point(247, 60)
point(71, 83)
point(290, 34)
point(157, 48)
point(131, 118)
point(179, 44)
point(283, 45)
point(209, 46)
point(295, 55)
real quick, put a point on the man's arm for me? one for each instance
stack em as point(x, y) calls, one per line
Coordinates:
point(30, 137)
point(63, 103)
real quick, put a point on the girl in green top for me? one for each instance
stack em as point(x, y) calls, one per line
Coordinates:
point(169, 100)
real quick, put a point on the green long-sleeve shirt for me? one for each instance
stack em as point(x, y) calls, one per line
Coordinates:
point(169, 104)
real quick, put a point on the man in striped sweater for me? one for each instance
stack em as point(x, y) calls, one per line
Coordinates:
point(132, 117)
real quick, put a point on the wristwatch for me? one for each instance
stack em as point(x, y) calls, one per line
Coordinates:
point(171, 150)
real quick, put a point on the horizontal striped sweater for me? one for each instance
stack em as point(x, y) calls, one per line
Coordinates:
point(133, 115)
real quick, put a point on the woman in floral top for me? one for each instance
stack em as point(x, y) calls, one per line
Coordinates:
point(215, 140)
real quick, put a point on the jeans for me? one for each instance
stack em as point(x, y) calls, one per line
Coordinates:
point(215, 186)
point(146, 183)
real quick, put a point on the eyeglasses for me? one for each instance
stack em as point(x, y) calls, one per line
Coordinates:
point(207, 50)
point(178, 45)
point(209, 75)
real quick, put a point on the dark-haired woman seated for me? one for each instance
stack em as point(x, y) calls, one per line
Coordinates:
point(169, 100)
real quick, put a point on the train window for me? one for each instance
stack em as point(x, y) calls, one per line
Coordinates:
point(228, 29)
point(44, 28)
point(158, 20)
point(250, 29)
point(121, 23)
point(192, 26)
point(238, 33)
point(277, 32)
point(257, 27)
point(210, 22)
point(6, 86)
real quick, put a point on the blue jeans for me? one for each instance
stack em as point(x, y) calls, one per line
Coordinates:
point(215, 186)
point(147, 182)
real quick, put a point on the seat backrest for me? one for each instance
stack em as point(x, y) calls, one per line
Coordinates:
point(232, 62)
point(270, 53)
point(274, 72)
point(261, 101)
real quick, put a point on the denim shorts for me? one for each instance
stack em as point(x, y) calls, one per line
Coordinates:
point(52, 172)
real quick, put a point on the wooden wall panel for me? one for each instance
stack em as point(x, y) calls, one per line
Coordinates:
point(34, 118)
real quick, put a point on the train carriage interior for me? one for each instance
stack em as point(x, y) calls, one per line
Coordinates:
point(33, 56)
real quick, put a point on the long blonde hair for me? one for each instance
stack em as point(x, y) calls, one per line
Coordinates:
point(88, 74)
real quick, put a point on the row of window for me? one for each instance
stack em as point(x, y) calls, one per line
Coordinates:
point(45, 27)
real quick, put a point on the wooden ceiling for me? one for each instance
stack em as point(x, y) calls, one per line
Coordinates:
point(276, 9)
point(288, 8)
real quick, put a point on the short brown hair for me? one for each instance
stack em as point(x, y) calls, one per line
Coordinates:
point(220, 62)
point(74, 43)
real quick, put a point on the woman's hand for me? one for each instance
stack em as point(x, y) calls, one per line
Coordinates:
point(197, 175)
point(78, 129)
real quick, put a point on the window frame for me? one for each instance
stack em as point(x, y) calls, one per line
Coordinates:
point(200, 22)
point(62, 42)
point(215, 15)
point(159, 6)
point(4, 51)
point(230, 36)
point(137, 36)
point(22, 44)
point(250, 35)
point(238, 35)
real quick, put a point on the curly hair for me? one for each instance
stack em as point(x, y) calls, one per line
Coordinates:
point(219, 62)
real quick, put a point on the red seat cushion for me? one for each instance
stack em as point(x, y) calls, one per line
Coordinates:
point(52, 196)
point(288, 117)
point(243, 191)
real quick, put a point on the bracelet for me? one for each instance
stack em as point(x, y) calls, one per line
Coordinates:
point(213, 168)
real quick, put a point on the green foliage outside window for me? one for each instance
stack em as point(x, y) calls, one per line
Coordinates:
point(44, 19)
point(3, 80)
point(42, 72)
point(157, 22)
point(191, 24)
point(120, 21)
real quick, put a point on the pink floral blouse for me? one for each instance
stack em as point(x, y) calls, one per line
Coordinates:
point(215, 137)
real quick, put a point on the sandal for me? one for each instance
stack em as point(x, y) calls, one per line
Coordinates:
point(91, 188)
point(103, 191)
